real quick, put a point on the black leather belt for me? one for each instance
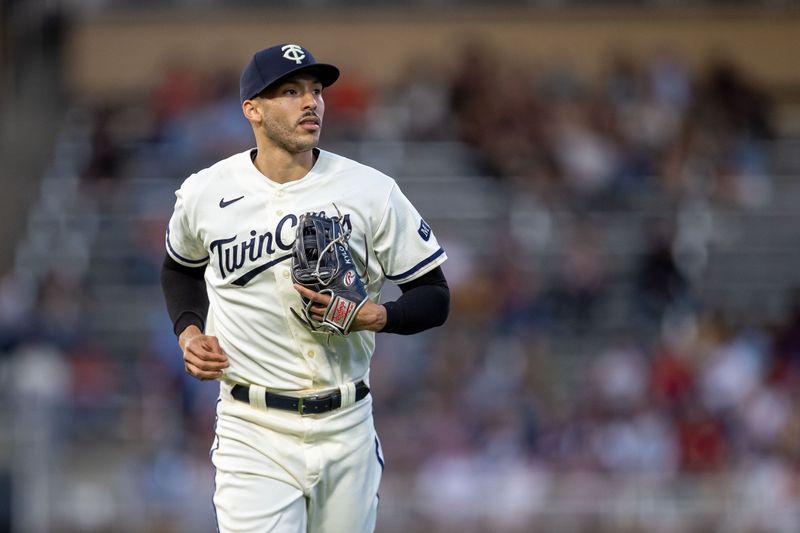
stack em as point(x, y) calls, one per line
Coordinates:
point(304, 405)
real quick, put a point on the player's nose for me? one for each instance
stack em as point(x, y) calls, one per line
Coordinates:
point(310, 100)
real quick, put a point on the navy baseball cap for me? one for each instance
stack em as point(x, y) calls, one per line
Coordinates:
point(275, 63)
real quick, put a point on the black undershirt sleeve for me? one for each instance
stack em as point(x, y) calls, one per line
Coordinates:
point(185, 292)
point(424, 304)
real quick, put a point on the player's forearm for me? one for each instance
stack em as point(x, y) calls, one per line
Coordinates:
point(372, 317)
point(425, 304)
point(185, 293)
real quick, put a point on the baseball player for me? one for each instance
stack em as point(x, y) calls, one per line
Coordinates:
point(295, 447)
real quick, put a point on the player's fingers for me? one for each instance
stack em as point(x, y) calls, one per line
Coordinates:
point(316, 297)
point(203, 375)
point(205, 348)
point(213, 347)
point(204, 364)
point(205, 355)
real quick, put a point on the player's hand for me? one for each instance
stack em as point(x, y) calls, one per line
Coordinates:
point(202, 356)
point(371, 316)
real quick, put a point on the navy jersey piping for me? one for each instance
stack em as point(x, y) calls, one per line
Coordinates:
point(417, 267)
point(184, 259)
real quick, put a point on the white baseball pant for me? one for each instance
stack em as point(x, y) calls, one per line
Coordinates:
point(278, 471)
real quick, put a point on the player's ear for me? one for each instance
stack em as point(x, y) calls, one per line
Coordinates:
point(251, 111)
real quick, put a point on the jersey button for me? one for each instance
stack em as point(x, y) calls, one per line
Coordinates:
point(279, 194)
point(286, 274)
point(312, 354)
point(279, 213)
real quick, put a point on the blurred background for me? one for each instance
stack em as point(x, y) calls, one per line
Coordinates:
point(615, 183)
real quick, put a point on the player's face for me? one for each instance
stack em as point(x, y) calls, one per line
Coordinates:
point(292, 113)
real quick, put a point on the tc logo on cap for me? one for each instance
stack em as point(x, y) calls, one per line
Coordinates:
point(294, 53)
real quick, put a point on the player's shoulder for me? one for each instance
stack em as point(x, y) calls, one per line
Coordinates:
point(344, 168)
point(199, 181)
point(218, 170)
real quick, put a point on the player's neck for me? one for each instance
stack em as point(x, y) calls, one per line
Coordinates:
point(281, 166)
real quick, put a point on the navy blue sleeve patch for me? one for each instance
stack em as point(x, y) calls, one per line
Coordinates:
point(424, 230)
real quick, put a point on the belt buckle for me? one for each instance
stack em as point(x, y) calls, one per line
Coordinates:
point(301, 403)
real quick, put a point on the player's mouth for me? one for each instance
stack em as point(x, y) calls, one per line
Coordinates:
point(310, 123)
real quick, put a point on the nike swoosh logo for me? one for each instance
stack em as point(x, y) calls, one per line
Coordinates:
point(223, 203)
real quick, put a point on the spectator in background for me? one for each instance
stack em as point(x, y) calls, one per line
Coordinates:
point(60, 311)
point(213, 129)
point(582, 277)
point(787, 343)
point(106, 153)
point(349, 102)
point(719, 151)
point(179, 90)
point(658, 283)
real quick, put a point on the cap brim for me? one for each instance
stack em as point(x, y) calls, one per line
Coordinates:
point(326, 74)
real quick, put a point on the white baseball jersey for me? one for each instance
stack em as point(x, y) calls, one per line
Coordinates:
point(242, 225)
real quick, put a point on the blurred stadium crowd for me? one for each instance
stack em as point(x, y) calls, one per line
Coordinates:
point(679, 416)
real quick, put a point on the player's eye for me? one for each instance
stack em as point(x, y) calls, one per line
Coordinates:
point(290, 92)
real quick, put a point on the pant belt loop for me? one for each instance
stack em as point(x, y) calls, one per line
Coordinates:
point(258, 397)
point(348, 391)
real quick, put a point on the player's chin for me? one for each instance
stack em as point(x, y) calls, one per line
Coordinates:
point(309, 136)
point(306, 142)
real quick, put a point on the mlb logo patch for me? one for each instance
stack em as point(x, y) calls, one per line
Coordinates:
point(424, 230)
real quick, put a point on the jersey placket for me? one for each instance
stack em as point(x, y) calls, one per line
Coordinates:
point(310, 353)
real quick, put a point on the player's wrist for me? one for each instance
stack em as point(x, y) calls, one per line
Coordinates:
point(378, 318)
point(187, 334)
